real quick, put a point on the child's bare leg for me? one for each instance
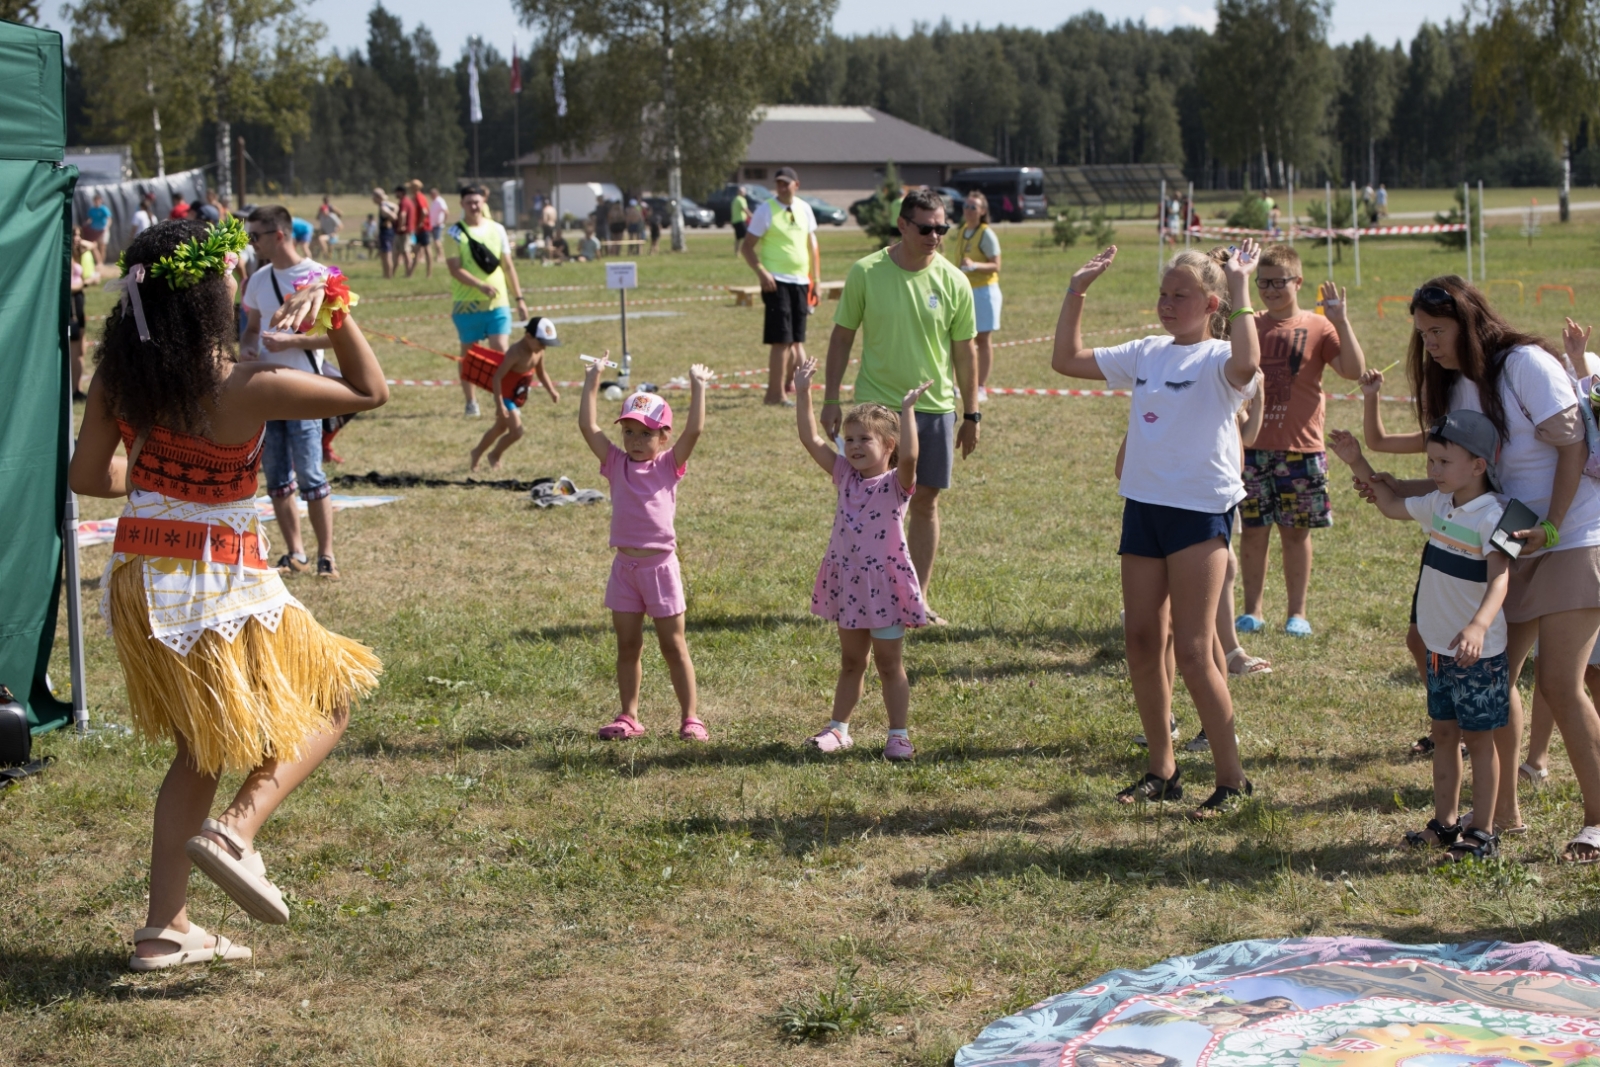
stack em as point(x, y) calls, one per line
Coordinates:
point(271, 783)
point(1446, 770)
point(1195, 578)
point(1225, 609)
point(1295, 543)
point(495, 429)
point(892, 673)
point(1419, 651)
point(182, 804)
point(675, 650)
point(1481, 745)
point(630, 648)
point(1255, 546)
point(1542, 725)
point(513, 434)
point(1144, 600)
point(854, 647)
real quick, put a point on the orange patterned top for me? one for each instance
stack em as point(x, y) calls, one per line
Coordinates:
point(186, 467)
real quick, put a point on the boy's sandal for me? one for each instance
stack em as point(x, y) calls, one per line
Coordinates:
point(1422, 746)
point(830, 740)
point(1537, 775)
point(1443, 836)
point(1474, 843)
point(693, 729)
point(1153, 787)
point(192, 948)
point(243, 877)
point(1241, 663)
point(621, 728)
point(1224, 800)
point(1589, 838)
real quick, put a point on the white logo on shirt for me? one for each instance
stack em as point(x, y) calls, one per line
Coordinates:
point(933, 301)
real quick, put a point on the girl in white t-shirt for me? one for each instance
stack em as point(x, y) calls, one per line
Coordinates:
point(1180, 484)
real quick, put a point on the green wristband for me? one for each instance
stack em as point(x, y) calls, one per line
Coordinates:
point(1246, 310)
point(1552, 536)
point(835, 403)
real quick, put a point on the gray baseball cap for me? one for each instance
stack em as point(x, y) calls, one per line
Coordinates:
point(1473, 431)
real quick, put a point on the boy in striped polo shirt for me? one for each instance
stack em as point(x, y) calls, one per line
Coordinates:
point(1459, 592)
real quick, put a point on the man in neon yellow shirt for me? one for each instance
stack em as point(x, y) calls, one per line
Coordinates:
point(739, 214)
point(478, 301)
point(780, 245)
point(916, 308)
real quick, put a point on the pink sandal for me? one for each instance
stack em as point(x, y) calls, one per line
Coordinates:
point(830, 740)
point(621, 728)
point(693, 729)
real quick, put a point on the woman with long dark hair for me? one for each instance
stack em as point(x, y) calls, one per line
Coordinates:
point(218, 657)
point(1464, 355)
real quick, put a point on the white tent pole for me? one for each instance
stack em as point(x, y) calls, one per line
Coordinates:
point(69, 546)
point(1483, 238)
point(1161, 230)
point(1327, 192)
point(1355, 231)
point(1291, 207)
point(1188, 213)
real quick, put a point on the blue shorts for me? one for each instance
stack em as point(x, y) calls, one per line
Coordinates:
point(475, 326)
point(511, 405)
point(1158, 531)
point(1478, 697)
point(936, 448)
point(291, 458)
point(986, 302)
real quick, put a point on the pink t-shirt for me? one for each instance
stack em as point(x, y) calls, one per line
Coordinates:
point(644, 499)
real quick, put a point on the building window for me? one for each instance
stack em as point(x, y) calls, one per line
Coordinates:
point(755, 174)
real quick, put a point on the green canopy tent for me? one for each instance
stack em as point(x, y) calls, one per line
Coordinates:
point(36, 511)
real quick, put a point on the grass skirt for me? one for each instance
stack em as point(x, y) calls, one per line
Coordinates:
point(236, 704)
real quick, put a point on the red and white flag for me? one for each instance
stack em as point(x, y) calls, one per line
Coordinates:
point(516, 70)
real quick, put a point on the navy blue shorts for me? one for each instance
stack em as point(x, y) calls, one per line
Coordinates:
point(1158, 531)
point(1477, 698)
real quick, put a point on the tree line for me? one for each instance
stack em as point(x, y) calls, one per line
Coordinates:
point(1506, 95)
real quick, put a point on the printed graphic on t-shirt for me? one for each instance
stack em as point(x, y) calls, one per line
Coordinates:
point(1283, 366)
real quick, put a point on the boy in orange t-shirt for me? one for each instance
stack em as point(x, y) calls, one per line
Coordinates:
point(1286, 472)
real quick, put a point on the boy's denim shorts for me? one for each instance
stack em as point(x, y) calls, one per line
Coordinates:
point(291, 457)
point(1478, 697)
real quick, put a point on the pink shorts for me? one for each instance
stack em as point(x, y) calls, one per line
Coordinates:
point(653, 585)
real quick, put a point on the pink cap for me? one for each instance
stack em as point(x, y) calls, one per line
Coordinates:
point(648, 408)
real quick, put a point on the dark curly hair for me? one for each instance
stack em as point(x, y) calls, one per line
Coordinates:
point(169, 379)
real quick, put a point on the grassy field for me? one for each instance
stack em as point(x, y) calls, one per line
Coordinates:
point(476, 880)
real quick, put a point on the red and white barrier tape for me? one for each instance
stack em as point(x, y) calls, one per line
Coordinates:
point(1319, 232)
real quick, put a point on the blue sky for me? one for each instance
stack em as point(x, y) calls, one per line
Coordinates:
point(1386, 20)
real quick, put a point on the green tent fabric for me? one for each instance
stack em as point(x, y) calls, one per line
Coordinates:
point(35, 407)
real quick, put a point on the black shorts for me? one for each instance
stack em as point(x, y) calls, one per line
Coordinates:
point(78, 320)
point(423, 237)
point(738, 232)
point(787, 311)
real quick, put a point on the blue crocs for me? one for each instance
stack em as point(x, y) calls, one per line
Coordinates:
point(1251, 624)
point(1297, 626)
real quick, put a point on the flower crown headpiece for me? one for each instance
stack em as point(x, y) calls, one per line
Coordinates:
point(215, 253)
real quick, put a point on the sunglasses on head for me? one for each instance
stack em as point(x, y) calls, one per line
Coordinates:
point(926, 230)
point(1432, 294)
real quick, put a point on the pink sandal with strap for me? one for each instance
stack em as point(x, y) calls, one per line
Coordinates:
point(693, 729)
point(621, 728)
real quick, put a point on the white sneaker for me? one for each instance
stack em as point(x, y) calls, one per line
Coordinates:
point(472, 409)
point(983, 395)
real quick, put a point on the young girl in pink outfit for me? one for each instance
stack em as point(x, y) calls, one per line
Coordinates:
point(645, 579)
point(866, 583)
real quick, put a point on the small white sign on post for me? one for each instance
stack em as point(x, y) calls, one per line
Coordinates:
point(622, 276)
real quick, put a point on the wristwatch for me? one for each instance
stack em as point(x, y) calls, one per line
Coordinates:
point(973, 416)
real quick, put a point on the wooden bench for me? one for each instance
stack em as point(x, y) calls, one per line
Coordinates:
point(745, 295)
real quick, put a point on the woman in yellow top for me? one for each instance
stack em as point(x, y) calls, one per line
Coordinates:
point(978, 254)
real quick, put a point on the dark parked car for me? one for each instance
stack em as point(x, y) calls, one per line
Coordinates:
point(721, 201)
point(826, 213)
point(694, 216)
point(1015, 194)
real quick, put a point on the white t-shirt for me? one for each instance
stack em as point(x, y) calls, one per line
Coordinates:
point(438, 211)
point(142, 221)
point(761, 221)
point(1455, 568)
point(260, 297)
point(1528, 465)
point(1183, 442)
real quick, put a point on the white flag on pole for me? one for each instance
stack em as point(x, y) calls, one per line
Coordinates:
point(561, 91)
point(472, 86)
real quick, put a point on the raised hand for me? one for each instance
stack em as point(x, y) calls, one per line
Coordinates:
point(804, 371)
point(1244, 261)
point(1575, 339)
point(591, 370)
point(910, 401)
point(700, 374)
point(1372, 382)
point(1333, 303)
point(298, 309)
point(1344, 445)
point(1091, 270)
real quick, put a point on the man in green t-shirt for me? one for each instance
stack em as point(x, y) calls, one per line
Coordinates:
point(479, 304)
point(780, 245)
point(739, 214)
point(916, 309)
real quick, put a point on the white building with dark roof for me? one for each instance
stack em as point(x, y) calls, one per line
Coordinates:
point(839, 153)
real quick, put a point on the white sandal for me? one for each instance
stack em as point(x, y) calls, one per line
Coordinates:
point(1537, 775)
point(192, 948)
point(1589, 836)
point(242, 877)
point(1241, 663)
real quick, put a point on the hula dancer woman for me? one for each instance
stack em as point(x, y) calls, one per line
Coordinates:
point(218, 656)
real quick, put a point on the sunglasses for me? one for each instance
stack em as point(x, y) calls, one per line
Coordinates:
point(926, 230)
point(254, 236)
point(1432, 294)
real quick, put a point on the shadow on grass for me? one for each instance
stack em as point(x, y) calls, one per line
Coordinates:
point(36, 978)
point(1106, 641)
point(693, 624)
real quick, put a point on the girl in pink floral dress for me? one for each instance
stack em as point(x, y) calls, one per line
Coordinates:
point(866, 583)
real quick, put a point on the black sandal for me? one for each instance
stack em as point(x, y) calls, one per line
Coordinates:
point(1422, 746)
point(1443, 836)
point(1475, 843)
point(1153, 787)
point(1223, 801)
